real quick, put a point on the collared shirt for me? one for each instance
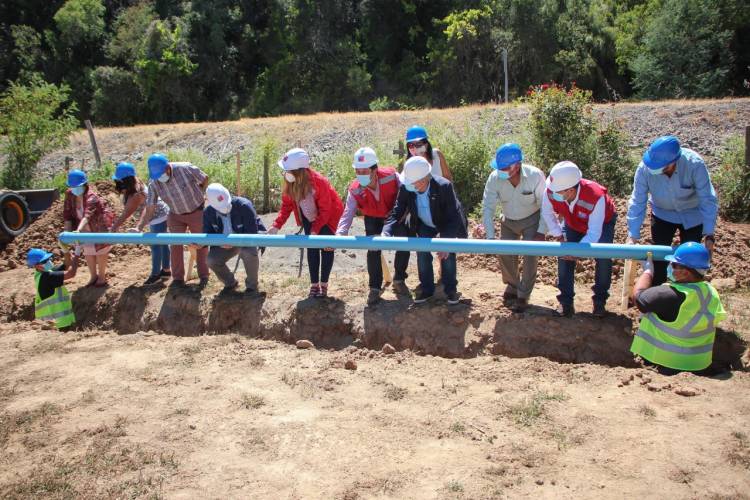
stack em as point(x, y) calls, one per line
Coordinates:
point(350, 210)
point(518, 202)
point(596, 219)
point(226, 223)
point(182, 192)
point(423, 207)
point(687, 197)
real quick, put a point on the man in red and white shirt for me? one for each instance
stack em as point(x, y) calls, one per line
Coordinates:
point(589, 217)
point(374, 193)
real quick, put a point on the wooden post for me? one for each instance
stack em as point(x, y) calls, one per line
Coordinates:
point(94, 147)
point(238, 174)
point(747, 146)
point(266, 182)
point(400, 152)
point(67, 164)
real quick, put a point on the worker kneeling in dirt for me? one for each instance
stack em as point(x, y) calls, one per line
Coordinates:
point(589, 215)
point(679, 319)
point(433, 206)
point(52, 301)
point(374, 193)
point(227, 214)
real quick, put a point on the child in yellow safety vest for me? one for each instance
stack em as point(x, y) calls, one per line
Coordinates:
point(678, 325)
point(52, 301)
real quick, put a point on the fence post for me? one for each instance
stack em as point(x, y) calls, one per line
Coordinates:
point(94, 147)
point(400, 152)
point(67, 163)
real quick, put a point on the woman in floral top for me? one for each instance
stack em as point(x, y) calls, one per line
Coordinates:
point(85, 211)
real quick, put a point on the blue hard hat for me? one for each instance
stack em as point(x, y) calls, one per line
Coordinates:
point(692, 255)
point(76, 178)
point(506, 155)
point(157, 165)
point(662, 152)
point(123, 169)
point(37, 256)
point(416, 133)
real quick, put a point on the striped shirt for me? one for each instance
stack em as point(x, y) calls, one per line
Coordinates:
point(182, 192)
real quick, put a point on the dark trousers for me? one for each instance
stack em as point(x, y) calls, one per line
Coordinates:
point(319, 262)
point(424, 265)
point(566, 269)
point(373, 227)
point(662, 233)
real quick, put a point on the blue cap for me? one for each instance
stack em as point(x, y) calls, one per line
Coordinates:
point(37, 256)
point(124, 169)
point(662, 152)
point(506, 155)
point(157, 165)
point(76, 178)
point(416, 133)
point(692, 255)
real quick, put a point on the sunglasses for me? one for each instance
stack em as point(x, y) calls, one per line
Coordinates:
point(416, 144)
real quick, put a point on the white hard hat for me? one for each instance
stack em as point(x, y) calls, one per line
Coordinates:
point(218, 197)
point(415, 168)
point(294, 159)
point(365, 158)
point(563, 175)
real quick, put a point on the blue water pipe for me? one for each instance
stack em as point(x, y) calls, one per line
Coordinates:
point(499, 247)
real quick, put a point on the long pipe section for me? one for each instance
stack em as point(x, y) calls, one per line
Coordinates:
point(500, 247)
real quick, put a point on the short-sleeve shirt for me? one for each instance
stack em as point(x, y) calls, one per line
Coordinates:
point(182, 192)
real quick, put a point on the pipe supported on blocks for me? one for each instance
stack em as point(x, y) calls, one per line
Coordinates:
point(499, 247)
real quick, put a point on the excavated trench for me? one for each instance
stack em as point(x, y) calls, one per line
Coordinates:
point(465, 330)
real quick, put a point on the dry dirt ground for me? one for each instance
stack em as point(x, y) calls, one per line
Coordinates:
point(119, 409)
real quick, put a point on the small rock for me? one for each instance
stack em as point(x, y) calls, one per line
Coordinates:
point(192, 427)
point(686, 391)
point(388, 349)
point(540, 482)
point(627, 380)
point(653, 388)
point(645, 380)
point(350, 364)
point(304, 344)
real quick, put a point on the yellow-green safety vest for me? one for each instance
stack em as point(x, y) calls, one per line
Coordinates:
point(57, 306)
point(687, 343)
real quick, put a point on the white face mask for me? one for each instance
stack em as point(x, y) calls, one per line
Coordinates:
point(48, 265)
point(289, 177)
point(164, 177)
point(77, 191)
point(420, 150)
point(224, 211)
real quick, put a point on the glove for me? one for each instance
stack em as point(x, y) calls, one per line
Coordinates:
point(647, 266)
point(273, 230)
point(133, 230)
point(631, 241)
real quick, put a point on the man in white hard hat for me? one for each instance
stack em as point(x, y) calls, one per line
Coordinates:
point(433, 206)
point(589, 217)
point(374, 193)
point(227, 214)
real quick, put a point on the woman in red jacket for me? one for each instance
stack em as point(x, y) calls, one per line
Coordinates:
point(317, 208)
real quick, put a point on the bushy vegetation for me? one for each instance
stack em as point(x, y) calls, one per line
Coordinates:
point(732, 181)
point(145, 61)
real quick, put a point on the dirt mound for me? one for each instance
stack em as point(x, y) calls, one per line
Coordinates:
point(43, 233)
point(730, 260)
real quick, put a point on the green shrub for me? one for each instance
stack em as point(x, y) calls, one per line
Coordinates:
point(562, 126)
point(614, 164)
point(732, 181)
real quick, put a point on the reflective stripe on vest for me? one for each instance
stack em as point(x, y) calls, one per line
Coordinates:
point(57, 307)
point(587, 206)
point(678, 344)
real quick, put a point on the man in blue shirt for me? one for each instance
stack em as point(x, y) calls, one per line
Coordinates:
point(675, 182)
point(435, 211)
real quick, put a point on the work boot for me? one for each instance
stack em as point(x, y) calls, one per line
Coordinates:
point(509, 298)
point(202, 283)
point(152, 280)
point(230, 287)
point(600, 310)
point(421, 297)
point(374, 296)
point(400, 288)
point(452, 297)
point(521, 305)
point(565, 311)
point(177, 284)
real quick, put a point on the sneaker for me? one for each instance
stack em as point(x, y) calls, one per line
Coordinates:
point(165, 274)
point(521, 305)
point(314, 291)
point(509, 298)
point(565, 311)
point(600, 310)
point(203, 283)
point(452, 297)
point(400, 288)
point(230, 287)
point(323, 293)
point(422, 297)
point(177, 284)
point(152, 280)
point(374, 296)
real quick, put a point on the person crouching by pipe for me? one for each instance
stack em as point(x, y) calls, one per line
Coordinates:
point(52, 301)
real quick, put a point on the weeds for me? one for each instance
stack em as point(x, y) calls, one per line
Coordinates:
point(252, 401)
point(528, 411)
point(458, 427)
point(647, 411)
point(454, 486)
point(394, 393)
point(739, 454)
point(732, 181)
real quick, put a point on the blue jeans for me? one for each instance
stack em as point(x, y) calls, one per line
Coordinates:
point(424, 265)
point(159, 253)
point(566, 269)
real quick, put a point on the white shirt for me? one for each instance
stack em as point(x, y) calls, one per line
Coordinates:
point(596, 218)
point(518, 202)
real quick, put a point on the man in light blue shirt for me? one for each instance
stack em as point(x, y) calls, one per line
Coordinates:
point(675, 182)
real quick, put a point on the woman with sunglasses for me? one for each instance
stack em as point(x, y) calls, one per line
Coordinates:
point(418, 144)
point(134, 192)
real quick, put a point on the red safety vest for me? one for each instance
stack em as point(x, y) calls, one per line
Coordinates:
point(588, 196)
point(366, 201)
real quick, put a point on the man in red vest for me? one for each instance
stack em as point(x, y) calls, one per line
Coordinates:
point(589, 216)
point(374, 193)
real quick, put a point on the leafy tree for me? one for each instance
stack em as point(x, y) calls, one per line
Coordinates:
point(34, 120)
point(80, 22)
point(117, 96)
